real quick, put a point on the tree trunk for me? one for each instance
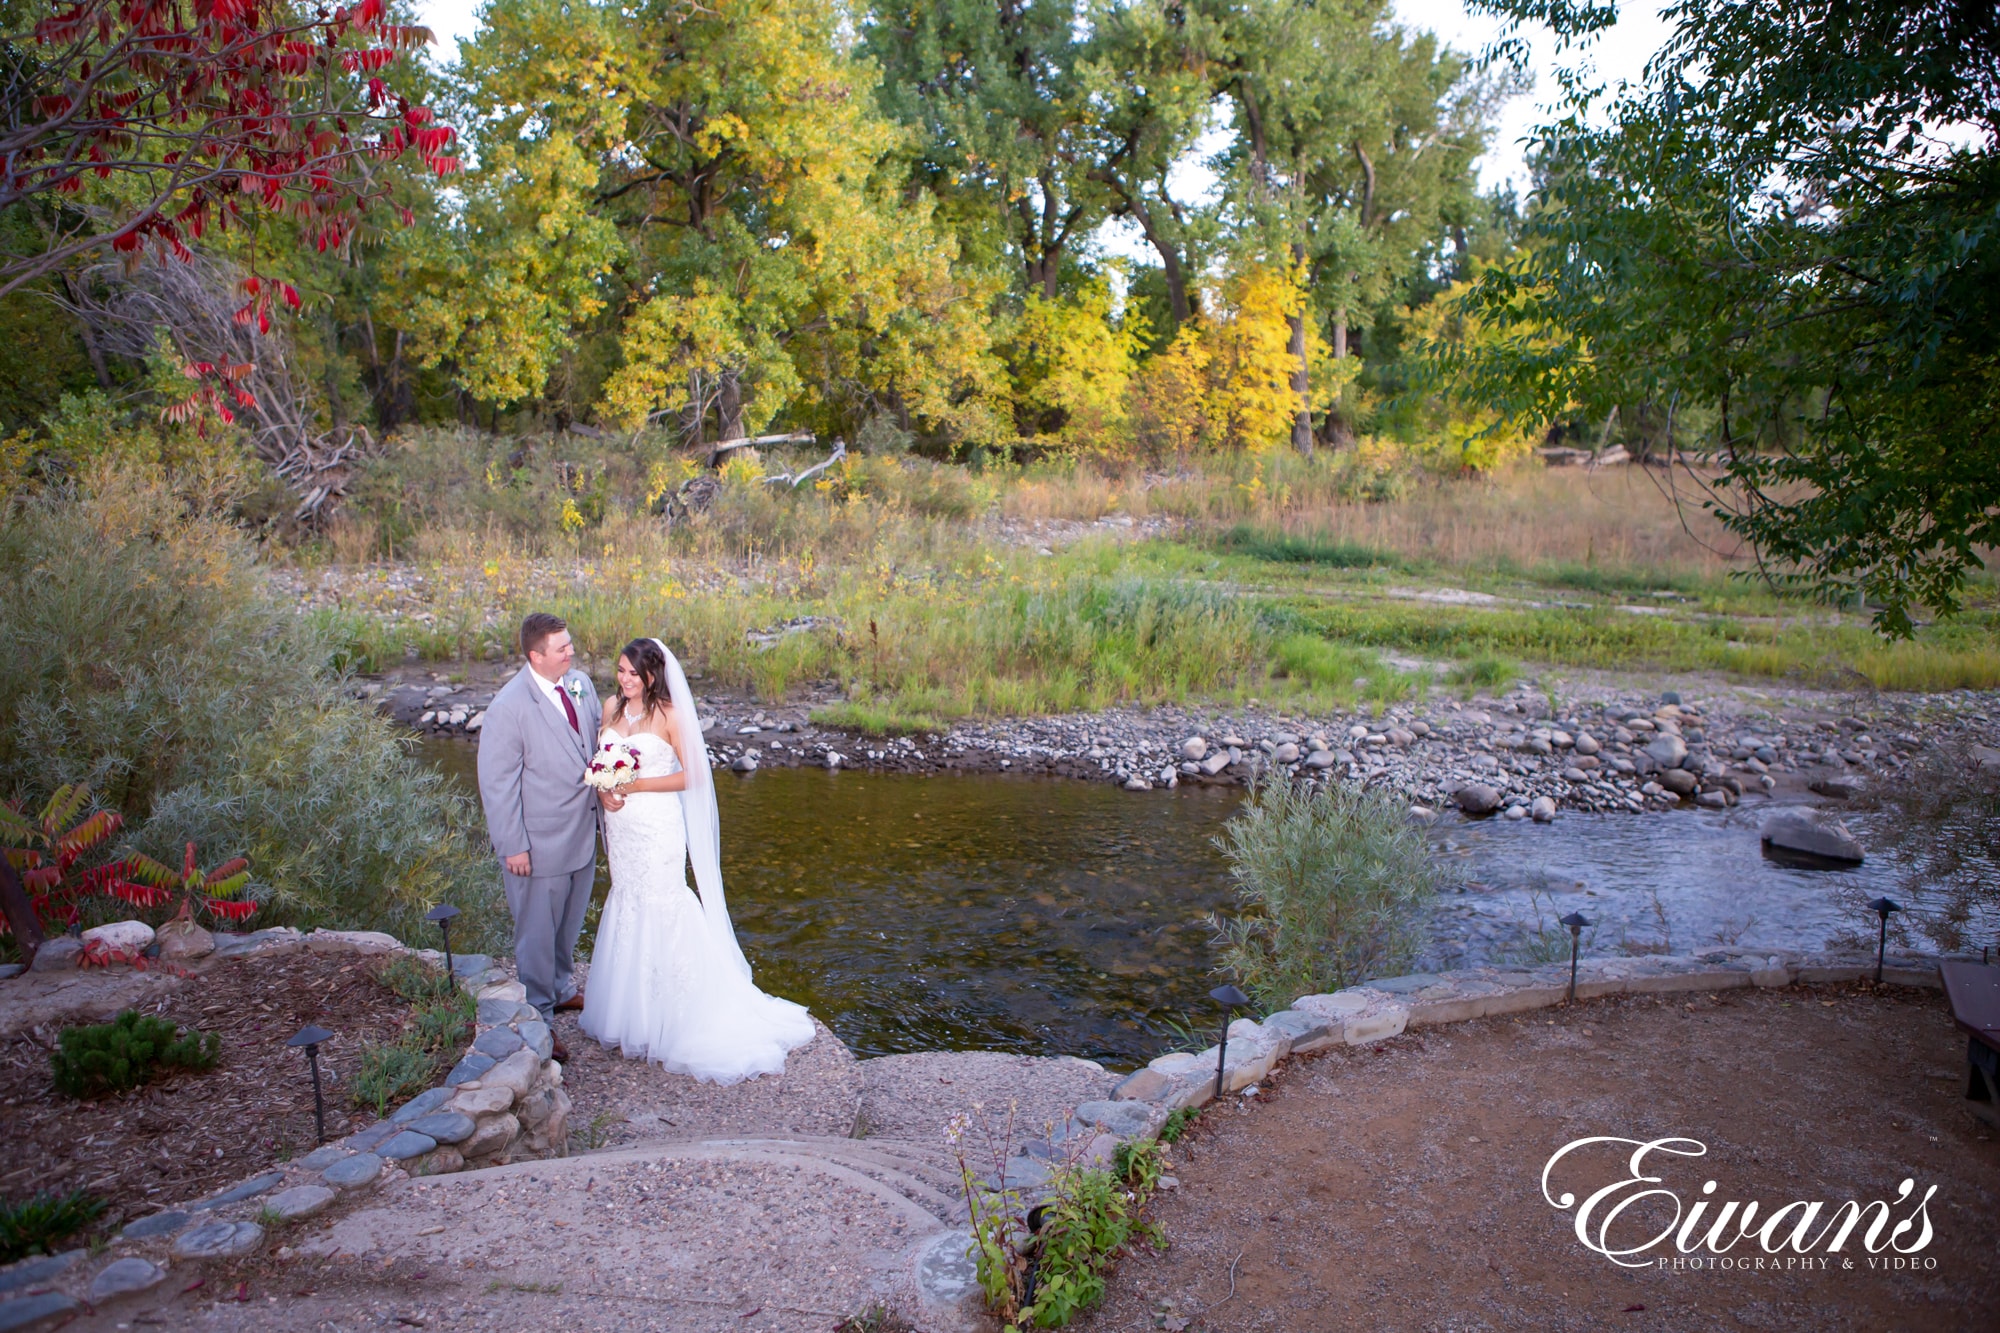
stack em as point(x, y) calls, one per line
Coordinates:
point(728, 413)
point(1302, 419)
point(1340, 334)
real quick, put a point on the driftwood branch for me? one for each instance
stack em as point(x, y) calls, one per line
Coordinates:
point(839, 452)
point(722, 447)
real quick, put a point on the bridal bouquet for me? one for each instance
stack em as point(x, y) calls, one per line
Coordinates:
point(614, 765)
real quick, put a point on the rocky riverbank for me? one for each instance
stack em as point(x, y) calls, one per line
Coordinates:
point(1523, 754)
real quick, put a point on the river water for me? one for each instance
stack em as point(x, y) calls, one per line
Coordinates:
point(1050, 916)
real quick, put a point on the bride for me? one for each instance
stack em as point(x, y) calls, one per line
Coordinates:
point(668, 981)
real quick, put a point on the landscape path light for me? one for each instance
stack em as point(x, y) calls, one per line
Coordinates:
point(310, 1036)
point(1231, 999)
point(1882, 907)
point(442, 914)
point(1576, 921)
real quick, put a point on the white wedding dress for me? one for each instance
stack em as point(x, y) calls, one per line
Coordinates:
point(663, 985)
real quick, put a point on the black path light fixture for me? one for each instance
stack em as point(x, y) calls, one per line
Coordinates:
point(1231, 999)
point(1576, 921)
point(443, 914)
point(1882, 907)
point(310, 1036)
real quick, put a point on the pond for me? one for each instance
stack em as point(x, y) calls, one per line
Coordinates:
point(1050, 916)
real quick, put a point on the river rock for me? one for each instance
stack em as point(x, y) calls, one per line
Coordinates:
point(1194, 749)
point(1679, 781)
point(517, 1073)
point(28, 1311)
point(500, 1043)
point(1322, 759)
point(218, 1240)
point(1215, 763)
point(158, 1224)
point(1287, 753)
point(421, 1105)
point(493, 1134)
point(184, 941)
point(445, 1126)
point(471, 1067)
point(299, 1201)
point(482, 1100)
point(1798, 831)
point(1716, 799)
point(1477, 799)
point(1137, 784)
point(125, 1277)
point(36, 1272)
point(745, 762)
point(58, 955)
point(356, 1172)
point(1543, 809)
point(1667, 750)
point(406, 1145)
point(1587, 744)
point(133, 937)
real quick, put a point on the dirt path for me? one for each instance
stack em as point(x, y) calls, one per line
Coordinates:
point(1399, 1187)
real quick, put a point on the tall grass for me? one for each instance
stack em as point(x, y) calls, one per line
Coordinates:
point(934, 607)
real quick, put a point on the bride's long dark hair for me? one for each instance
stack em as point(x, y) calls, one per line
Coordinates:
point(651, 664)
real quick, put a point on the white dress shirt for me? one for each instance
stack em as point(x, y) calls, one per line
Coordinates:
point(550, 690)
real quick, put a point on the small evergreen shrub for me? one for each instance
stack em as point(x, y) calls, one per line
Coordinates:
point(40, 1224)
point(131, 1049)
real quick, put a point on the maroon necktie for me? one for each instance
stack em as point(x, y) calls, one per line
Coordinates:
point(568, 708)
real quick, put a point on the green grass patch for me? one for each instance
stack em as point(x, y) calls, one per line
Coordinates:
point(877, 719)
point(39, 1225)
point(1485, 672)
point(1289, 549)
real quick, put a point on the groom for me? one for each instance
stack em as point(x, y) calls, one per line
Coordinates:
point(539, 732)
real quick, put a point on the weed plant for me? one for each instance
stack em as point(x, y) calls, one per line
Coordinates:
point(39, 1225)
point(131, 1049)
point(441, 1019)
point(1331, 886)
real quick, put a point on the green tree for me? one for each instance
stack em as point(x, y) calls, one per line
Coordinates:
point(1354, 143)
point(1792, 226)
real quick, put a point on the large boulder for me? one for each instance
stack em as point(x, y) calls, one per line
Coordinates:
point(1799, 832)
point(1667, 750)
point(1477, 799)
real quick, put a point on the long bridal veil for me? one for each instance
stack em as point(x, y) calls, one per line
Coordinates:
point(703, 822)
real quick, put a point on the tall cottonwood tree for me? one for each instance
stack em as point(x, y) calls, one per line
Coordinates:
point(1354, 142)
point(704, 178)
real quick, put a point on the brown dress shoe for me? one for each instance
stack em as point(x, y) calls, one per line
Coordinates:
point(573, 1003)
point(558, 1051)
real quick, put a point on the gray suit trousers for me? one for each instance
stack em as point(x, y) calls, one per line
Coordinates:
point(548, 916)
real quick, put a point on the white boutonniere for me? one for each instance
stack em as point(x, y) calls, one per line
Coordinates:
point(573, 686)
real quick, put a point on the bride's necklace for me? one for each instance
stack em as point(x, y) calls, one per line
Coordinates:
point(632, 718)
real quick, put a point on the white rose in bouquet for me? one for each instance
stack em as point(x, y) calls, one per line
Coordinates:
point(614, 765)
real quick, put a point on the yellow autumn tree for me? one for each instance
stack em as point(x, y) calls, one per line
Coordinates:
point(1073, 364)
point(1455, 431)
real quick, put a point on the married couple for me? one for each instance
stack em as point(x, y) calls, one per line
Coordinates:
point(668, 981)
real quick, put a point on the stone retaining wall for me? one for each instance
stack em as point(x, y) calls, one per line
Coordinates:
point(1382, 1009)
point(504, 1101)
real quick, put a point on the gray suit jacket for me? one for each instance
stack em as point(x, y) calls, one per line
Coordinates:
point(531, 775)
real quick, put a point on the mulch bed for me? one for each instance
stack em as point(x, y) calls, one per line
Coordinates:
point(185, 1136)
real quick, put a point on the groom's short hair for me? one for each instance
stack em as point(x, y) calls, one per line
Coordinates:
point(535, 630)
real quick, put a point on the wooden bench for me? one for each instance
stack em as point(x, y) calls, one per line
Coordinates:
point(1974, 992)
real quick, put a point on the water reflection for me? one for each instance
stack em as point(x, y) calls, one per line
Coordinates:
point(1050, 916)
point(911, 913)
